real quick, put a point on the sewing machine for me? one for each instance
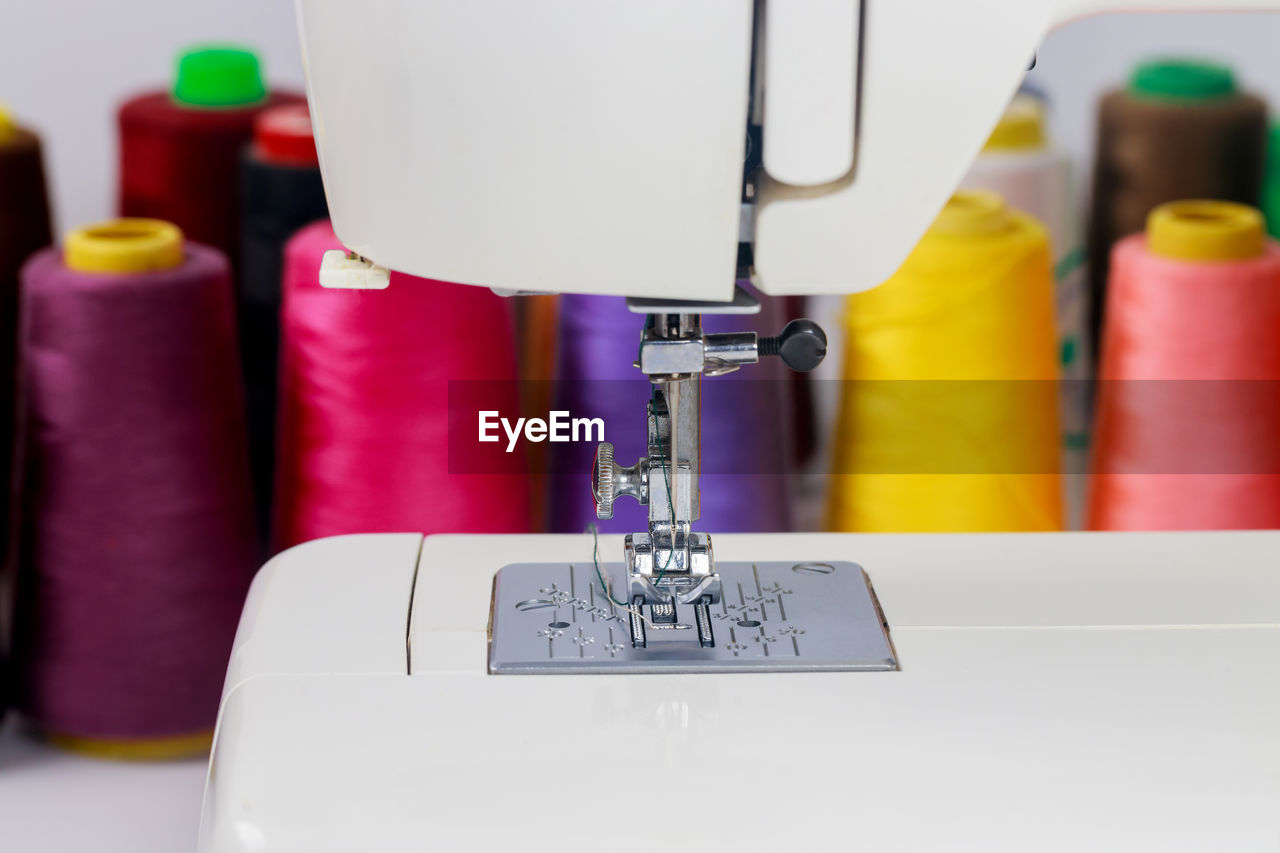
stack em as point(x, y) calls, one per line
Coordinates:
point(994, 692)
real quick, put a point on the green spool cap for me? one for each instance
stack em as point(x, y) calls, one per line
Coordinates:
point(211, 76)
point(1182, 80)
point(1271, 183)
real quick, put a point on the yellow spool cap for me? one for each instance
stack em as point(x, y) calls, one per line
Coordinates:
point(153, 749)
point(1206, 231)
point(1021, 128)
point(124, 246)
point(973, 213)
point(7, 124)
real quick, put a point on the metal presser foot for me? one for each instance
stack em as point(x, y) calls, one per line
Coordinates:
point(671, 567)
point(679, 612)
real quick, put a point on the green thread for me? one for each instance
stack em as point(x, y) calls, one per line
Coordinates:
point(1069, 263)
point(666, 479)
point(595, 557)
point(1067, 353)
point(1066, 265)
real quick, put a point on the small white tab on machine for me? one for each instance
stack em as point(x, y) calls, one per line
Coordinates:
point(346, 271)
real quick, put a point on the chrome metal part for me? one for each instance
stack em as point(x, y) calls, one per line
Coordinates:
point(667, 357)
point(742, 303)
point(773, 617)
point(725, 353)
point(702, 613)
point(611, 481)
point(635, 618)
point(710, 355)
point(670, 566)
point(662, 574)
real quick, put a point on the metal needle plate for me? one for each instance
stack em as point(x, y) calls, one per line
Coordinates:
point(772, 617)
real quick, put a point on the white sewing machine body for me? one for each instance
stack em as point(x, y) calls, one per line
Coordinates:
point(1110, 692)
point(586, 147)
point(1055, 692)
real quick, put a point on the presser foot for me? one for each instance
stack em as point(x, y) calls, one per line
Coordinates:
point(682, 577)
point(663, 617)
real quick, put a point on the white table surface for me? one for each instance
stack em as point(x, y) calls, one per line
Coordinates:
point(51, 800)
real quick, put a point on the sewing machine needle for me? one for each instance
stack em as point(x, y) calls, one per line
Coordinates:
point(673, 406)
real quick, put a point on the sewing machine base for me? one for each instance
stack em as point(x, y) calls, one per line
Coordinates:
point(771, 617)
point(1057, 692)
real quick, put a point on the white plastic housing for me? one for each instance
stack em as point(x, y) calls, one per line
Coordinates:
point(556, 145)
point(810, 66)
point(597, 147)
point(1058, 692)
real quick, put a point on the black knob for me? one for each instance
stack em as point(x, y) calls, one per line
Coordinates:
point(802, 345)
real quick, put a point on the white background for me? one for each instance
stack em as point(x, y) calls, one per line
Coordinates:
point(66, 65)
point(1081, 61)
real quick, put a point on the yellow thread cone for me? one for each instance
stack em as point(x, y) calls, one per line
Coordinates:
point(136, 749)
point(1021, 128)
point(949, 419)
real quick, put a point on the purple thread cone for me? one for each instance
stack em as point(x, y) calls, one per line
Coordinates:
point(136, 536)
point(744, 422)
